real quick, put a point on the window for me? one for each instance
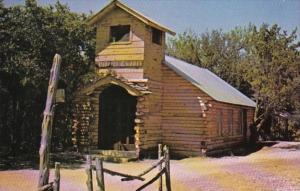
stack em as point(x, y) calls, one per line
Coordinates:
point(120, 33)
point(230, 122)
point(219, 121)
point(156, 36)
point(242, 121)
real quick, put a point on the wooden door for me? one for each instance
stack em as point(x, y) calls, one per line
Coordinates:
point(117, 113)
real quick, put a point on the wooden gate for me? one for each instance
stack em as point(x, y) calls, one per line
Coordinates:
point(163, 165)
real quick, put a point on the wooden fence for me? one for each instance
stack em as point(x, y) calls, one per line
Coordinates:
point(163, 165)
point(55, 185)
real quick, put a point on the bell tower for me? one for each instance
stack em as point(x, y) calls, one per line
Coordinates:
point(128, 42)
point(132, 47)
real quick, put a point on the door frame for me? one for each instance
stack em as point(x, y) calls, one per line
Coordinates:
point(116, 143)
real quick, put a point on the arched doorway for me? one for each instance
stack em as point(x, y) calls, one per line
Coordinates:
point(116, 121)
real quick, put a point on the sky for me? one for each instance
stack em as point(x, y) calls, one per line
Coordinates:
point(201, 15)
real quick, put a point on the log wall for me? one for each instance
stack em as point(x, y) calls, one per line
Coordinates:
point(154, 56)
point(84, 118)
point(184, 121)
point(229, 137)
point(189, 118)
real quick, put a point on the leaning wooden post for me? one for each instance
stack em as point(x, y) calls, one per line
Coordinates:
point(100, 174)
point(167, 167)
point(88, 170)
point(47, 123)
point(159, 167)
point(56, 183)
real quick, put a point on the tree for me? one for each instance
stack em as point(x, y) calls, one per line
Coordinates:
point(30, 35)
point(272, 68)
point(217, 51)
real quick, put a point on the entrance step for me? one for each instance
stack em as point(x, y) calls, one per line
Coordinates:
point(115, 155)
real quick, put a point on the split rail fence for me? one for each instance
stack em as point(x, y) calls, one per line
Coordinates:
point(55, 185)
point(163, 165)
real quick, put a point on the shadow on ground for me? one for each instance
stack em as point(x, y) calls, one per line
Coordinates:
point(69, 160)
point(244, 150)
point(17, 162)
point(75, 160)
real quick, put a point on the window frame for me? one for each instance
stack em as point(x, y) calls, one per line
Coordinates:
point(120, 42)
point(219, 121)
point(242, 122)
point(230, 122)
point(156, 31)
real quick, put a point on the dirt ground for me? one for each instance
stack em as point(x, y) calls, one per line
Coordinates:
point(271, 168)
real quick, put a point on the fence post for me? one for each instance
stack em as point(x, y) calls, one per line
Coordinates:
point(100, 174)
point(88, 170)
point(167, 166)
point(47, 123)
point(159, 167)
point(56, 183)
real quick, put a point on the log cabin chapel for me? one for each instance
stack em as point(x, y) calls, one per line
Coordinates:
point(144, 97)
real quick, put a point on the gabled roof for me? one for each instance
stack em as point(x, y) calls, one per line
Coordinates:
point(115, 3)
point(208, 82)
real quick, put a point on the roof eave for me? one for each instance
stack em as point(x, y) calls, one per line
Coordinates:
point(93, 20)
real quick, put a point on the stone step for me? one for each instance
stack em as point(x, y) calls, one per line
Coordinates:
point(115, 153)
point(115, 159)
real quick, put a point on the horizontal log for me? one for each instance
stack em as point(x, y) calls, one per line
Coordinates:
point(152, 180)
point(148, 170)
point(46, 187)
point(113, 173)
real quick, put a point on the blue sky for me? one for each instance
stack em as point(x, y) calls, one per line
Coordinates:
point(202, 15)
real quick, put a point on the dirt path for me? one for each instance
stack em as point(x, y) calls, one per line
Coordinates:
point(275, 168)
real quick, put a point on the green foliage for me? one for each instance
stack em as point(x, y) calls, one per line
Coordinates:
point(220, 52)
point(272, 68)
point(30, 36)
point(262, 63)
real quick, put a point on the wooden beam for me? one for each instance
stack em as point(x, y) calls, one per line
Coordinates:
point(100, 174)
point(56, 183)
point(152, 180)
point(88, 170)
point(47, 123)
point(167, 168)
point(160, 167)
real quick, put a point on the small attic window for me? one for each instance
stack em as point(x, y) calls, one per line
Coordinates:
point(120, 33)
point(156, 36)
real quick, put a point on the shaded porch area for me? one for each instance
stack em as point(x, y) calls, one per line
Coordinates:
point(109, 116)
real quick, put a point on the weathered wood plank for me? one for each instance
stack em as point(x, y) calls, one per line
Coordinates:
point(160, 166)
point(100, 175)
point(47, 123)
point(152, 180)
point(56, 183)
point(88, 170)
